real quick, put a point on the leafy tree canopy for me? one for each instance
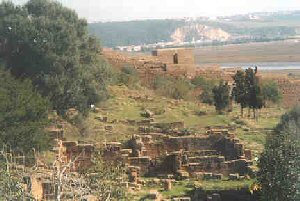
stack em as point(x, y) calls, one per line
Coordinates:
point(239, 91)
point(247, 90)
point(221, 96)
point(48, 43)
point(280, 161)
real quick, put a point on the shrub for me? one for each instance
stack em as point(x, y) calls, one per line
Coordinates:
point(128, 76)
point(271, 92)
point(177, 88)
point(207, 86)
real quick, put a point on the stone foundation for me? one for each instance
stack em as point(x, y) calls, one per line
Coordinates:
point(217, 152)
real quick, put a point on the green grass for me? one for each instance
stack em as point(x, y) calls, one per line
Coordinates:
point(252, 140)
point(180, 188)
point(183, 188)
point(223, 184)
point(121, 106)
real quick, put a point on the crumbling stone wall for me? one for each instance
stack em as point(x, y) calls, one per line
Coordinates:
point(41, 186)
point(147, 66)
point(290, 92)
point(175, 55)
point(217, 152)
point(216, 73)
point(81, 154)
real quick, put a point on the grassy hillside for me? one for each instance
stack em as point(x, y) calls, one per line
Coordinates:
point(128, 104)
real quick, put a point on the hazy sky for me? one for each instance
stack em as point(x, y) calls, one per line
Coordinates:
point(112, 10)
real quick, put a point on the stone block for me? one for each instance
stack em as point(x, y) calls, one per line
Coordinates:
point(168, 185)
point(217, 176)
point(216, 197)
point(207, 175)
point(234, 177)
point(248, 154)
point(181, 199)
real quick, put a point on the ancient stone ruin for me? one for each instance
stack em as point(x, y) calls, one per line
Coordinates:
point(213, 155)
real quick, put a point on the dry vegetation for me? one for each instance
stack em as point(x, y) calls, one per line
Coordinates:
point(281, 51)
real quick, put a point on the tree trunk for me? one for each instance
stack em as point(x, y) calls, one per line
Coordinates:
point(242, 112)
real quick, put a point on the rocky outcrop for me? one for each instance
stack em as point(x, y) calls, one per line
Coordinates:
point(199, 32)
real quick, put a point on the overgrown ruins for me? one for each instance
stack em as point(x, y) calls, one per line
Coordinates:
point(181, 62)
point(213, 155)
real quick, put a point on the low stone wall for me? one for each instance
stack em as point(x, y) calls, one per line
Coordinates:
point(81, 154)
point(184, 55)
point(218, 151)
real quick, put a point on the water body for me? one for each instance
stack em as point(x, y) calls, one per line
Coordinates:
point(266, 66)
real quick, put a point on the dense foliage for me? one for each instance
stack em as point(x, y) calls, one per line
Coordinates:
point(271, 92)
point(280, 162)
point(247, 90)
point(253, 90)
point(11, 185)
point(127, 76)
point(105, 179)
point(206, 86)
point(177, 88)
point(49, 44)
point(221, 96)
point(239, 92)
point(23, 114)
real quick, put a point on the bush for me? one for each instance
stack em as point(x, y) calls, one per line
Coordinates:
point(207, 86)
point(271, 92)
point(177, 88)
point(128, 76)
point(279, 163)
point(23, 114)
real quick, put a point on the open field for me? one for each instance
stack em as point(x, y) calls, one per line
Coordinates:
point(280, 51)
point(293, 74)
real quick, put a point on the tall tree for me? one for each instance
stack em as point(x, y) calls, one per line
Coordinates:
point(240, 91)
point(279, 164)
point(221, 96)
point(253, 88)
point(49, 43)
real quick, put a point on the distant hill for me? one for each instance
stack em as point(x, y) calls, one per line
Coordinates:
point(253, 26)
point(134, 32)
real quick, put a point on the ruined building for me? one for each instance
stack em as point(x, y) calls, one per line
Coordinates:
point(213, 155)
point(180, 62)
